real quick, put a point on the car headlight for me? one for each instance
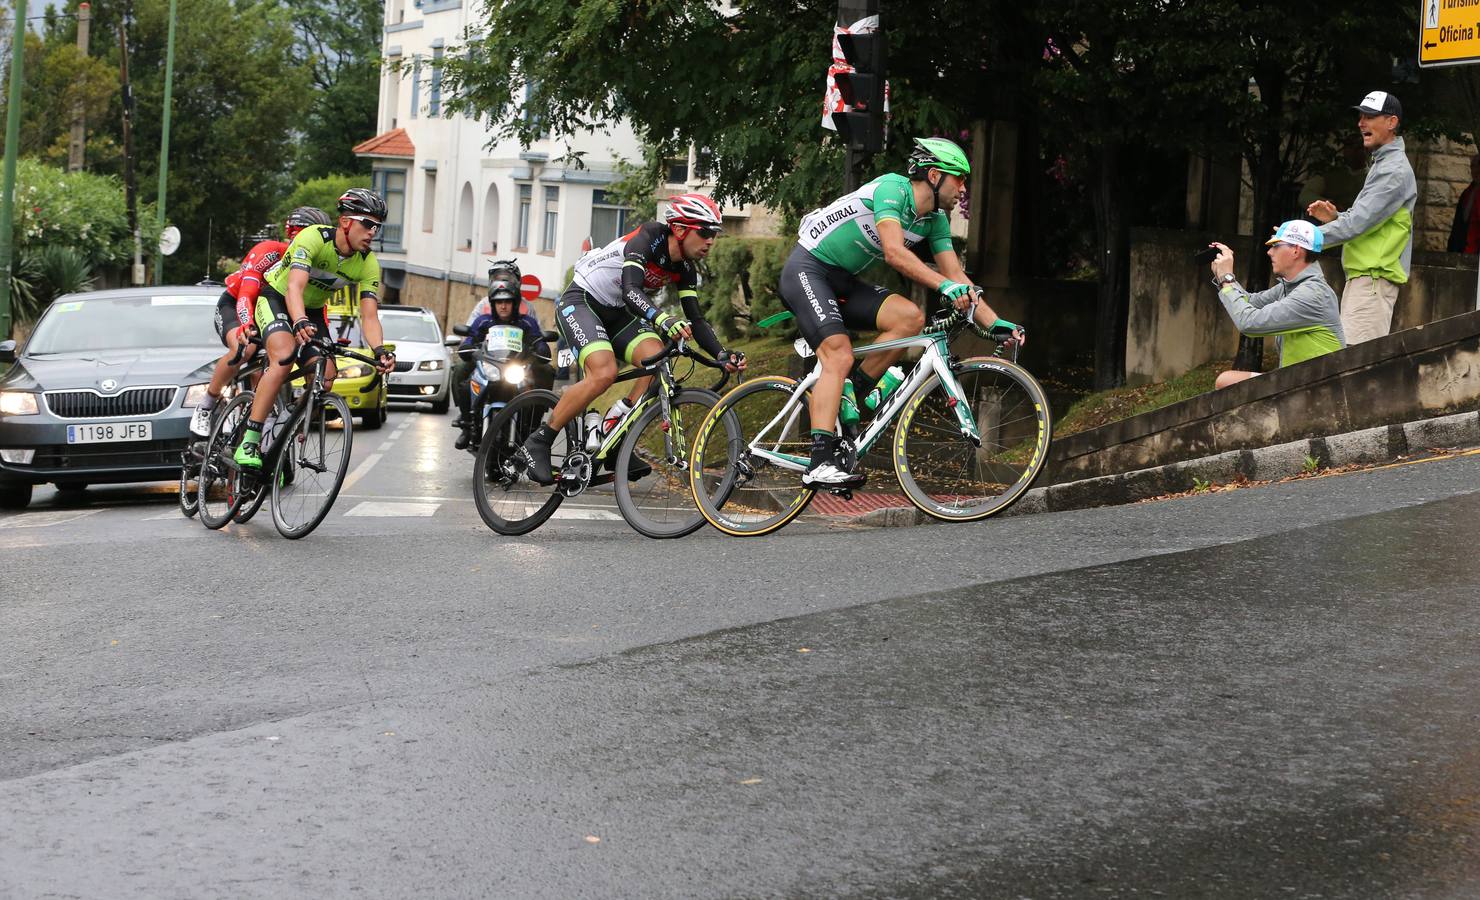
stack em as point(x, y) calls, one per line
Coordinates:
point(17, 403)
point(18, 457)
point(355, 371)
point(430, 365)
point(514, 373)
point(193, 395)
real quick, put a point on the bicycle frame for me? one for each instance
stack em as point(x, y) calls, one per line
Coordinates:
point(936, 360)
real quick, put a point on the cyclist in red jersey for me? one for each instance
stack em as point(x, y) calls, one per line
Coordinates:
point(236, 309)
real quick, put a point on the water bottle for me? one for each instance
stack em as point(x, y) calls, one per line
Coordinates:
point(592, 423)
point(891, 380)
point(848, 409)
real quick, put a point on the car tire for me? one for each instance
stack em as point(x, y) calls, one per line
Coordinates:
point(372, 419)
point(440, 407)
point(15, 496)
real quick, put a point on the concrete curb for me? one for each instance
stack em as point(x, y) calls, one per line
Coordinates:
point(1370, 445)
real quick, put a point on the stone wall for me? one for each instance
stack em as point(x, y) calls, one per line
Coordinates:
point(1443, 171)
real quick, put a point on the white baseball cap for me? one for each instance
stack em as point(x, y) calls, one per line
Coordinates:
point(1300, 233)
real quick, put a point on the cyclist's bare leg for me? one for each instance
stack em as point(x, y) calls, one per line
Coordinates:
point(836, 355)
point(897, 318)
point(600, 371)
point(224, 370)
point(642, 350)
point(280, 346)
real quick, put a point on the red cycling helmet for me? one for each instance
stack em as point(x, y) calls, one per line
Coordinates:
point(693, 211)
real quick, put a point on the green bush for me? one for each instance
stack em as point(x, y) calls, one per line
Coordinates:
point(323, 193)
point(743, 274)
point(80, 210)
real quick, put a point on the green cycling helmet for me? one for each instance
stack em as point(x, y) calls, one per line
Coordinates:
point(939, 153)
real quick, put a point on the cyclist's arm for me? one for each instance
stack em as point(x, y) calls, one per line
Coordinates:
point(902, 259)
point(692, 311)
point(634, 276)
point(297, 281)
point(370, 321)
point(950, 267)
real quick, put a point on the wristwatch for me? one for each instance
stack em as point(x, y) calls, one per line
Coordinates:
point(1225, 278)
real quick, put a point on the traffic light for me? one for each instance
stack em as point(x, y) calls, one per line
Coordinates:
point(861, 123)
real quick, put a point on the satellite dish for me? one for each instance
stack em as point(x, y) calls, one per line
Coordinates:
point(169, 240)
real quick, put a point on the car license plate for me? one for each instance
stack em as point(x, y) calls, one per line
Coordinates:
point(110, 432)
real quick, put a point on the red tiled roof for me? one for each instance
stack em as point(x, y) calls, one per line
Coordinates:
point(392, 143)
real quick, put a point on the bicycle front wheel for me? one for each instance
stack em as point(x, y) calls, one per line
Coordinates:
point(508, 500)
point(746, 466)
point(219, 482)
point(954, 478)
point(654, 496)
point(189, 492)
point(311, 465)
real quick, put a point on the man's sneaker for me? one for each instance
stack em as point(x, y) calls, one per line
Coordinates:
point(200, 422)
point(249, 455)
point(535, 456)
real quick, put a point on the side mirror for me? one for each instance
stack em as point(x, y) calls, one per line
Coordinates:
point(461, 330)
point(452, 342)
point(7, 351)
point(551, 336)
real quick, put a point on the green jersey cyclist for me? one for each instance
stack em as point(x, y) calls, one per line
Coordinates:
point(290, 309)
point(885, 219)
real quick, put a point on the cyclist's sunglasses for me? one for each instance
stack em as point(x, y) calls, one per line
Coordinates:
point(708, 233)
point(371, 225)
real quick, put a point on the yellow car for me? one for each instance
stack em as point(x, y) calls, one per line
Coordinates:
point(372, 406)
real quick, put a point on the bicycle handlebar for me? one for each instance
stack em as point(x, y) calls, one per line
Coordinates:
point(681, 348)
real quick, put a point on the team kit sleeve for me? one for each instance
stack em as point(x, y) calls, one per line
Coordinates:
point(940, 235)
point(370, 277)
point(304, 249)
point(634, 276)
point(890, 201)
point(254, 268)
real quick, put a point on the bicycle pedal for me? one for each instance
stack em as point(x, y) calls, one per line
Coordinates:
point(845, 493)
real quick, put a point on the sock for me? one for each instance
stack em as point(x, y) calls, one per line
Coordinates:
point(863, 382)
point(254, 432)
point(822, 445)
point(209, 403)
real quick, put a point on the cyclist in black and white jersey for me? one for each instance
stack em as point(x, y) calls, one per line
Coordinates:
point(608, 309)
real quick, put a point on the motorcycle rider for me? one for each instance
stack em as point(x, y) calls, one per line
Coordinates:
point(503, 309)
point(501, 273)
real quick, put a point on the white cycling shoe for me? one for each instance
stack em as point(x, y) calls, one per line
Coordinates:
point(200, 423)
point(831, 475)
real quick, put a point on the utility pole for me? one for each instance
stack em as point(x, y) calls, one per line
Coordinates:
point(164, 142)
point(12, 140)
point(130, 189)
point(78, 143)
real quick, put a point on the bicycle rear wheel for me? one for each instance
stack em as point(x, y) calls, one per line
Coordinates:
point(508, 500)
point(189, 489)
point(660, 504)
point(949, 476)
point(218, 486)
point(312, 461)
point(739, 490)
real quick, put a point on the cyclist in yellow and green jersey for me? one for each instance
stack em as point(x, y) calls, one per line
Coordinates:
point(290, 308)
point(885, 219)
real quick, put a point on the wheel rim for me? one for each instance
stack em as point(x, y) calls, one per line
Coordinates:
point(661, 502)
point(507, 496)
point(949, 476)
point(737, 490)
point(217, 483)
point(311, 468)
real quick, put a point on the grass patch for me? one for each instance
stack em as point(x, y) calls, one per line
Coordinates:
point(1113, 405)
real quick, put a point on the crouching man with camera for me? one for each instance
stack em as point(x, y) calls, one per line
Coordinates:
point(1302, 312)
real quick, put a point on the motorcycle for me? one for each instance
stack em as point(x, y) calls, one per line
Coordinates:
point(503, 368)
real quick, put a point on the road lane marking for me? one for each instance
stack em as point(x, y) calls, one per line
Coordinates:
point(377, 509)
point(362, 469)
point(47, 519)
point(587, 512)
point(160, 517)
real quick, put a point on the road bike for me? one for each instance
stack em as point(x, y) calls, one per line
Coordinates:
point(191, 455)
point(649, 448)
point(305, 455)
point(970, 436)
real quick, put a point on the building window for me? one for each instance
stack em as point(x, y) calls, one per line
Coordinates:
point(537, 122)
point(429, 202)
point(677, 170)
point(415, 85)
point(608, 220)
point(391, 184)
point(526, 202)
point(550, 220)
point(434, 103)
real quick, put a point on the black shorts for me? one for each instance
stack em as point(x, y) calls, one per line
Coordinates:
point(589, 325)
point(272, 317)
point(225, 316)
point(827, 300)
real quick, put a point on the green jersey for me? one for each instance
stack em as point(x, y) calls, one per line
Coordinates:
point(843, 233)
point(313, 251)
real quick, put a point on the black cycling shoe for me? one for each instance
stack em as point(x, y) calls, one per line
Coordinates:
point(463, 440)
point(637, 469)
point(535, 456)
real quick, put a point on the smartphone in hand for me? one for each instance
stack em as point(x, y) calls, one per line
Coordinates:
point(1205, 256)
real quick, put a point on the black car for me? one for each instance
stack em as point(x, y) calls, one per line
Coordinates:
point(104, 388)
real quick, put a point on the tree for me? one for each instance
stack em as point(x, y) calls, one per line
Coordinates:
point(322, 193)
point(339, 41)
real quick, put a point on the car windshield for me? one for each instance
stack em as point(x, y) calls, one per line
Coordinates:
point(342, 328)
point(411, 329)
point(125, 323)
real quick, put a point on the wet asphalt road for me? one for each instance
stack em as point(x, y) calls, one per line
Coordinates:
point(1265, 693)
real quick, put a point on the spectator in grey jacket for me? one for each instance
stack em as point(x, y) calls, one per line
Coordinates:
point(1378, 229)
point(1301, 312)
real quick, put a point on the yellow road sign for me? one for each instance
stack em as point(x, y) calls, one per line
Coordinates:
point(1449, 32)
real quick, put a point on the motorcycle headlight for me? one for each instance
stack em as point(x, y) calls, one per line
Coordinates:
point(514, 373)
point(430, 365)
point(357, 370)
point(193, 395)
point(490, 373)
point(17, 403)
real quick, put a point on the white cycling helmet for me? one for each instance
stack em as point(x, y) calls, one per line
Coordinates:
point(693, 211)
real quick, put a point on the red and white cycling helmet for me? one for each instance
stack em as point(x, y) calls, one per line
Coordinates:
point(693, 211)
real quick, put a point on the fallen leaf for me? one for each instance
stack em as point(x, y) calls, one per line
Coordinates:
point(751, 781)
point(113, 644)
point(592, 839)
point(388, 733)
point(804, 650)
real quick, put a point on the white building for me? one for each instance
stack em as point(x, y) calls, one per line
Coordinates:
point(455, 203)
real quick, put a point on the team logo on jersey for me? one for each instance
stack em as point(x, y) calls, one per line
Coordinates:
point(568, 310)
